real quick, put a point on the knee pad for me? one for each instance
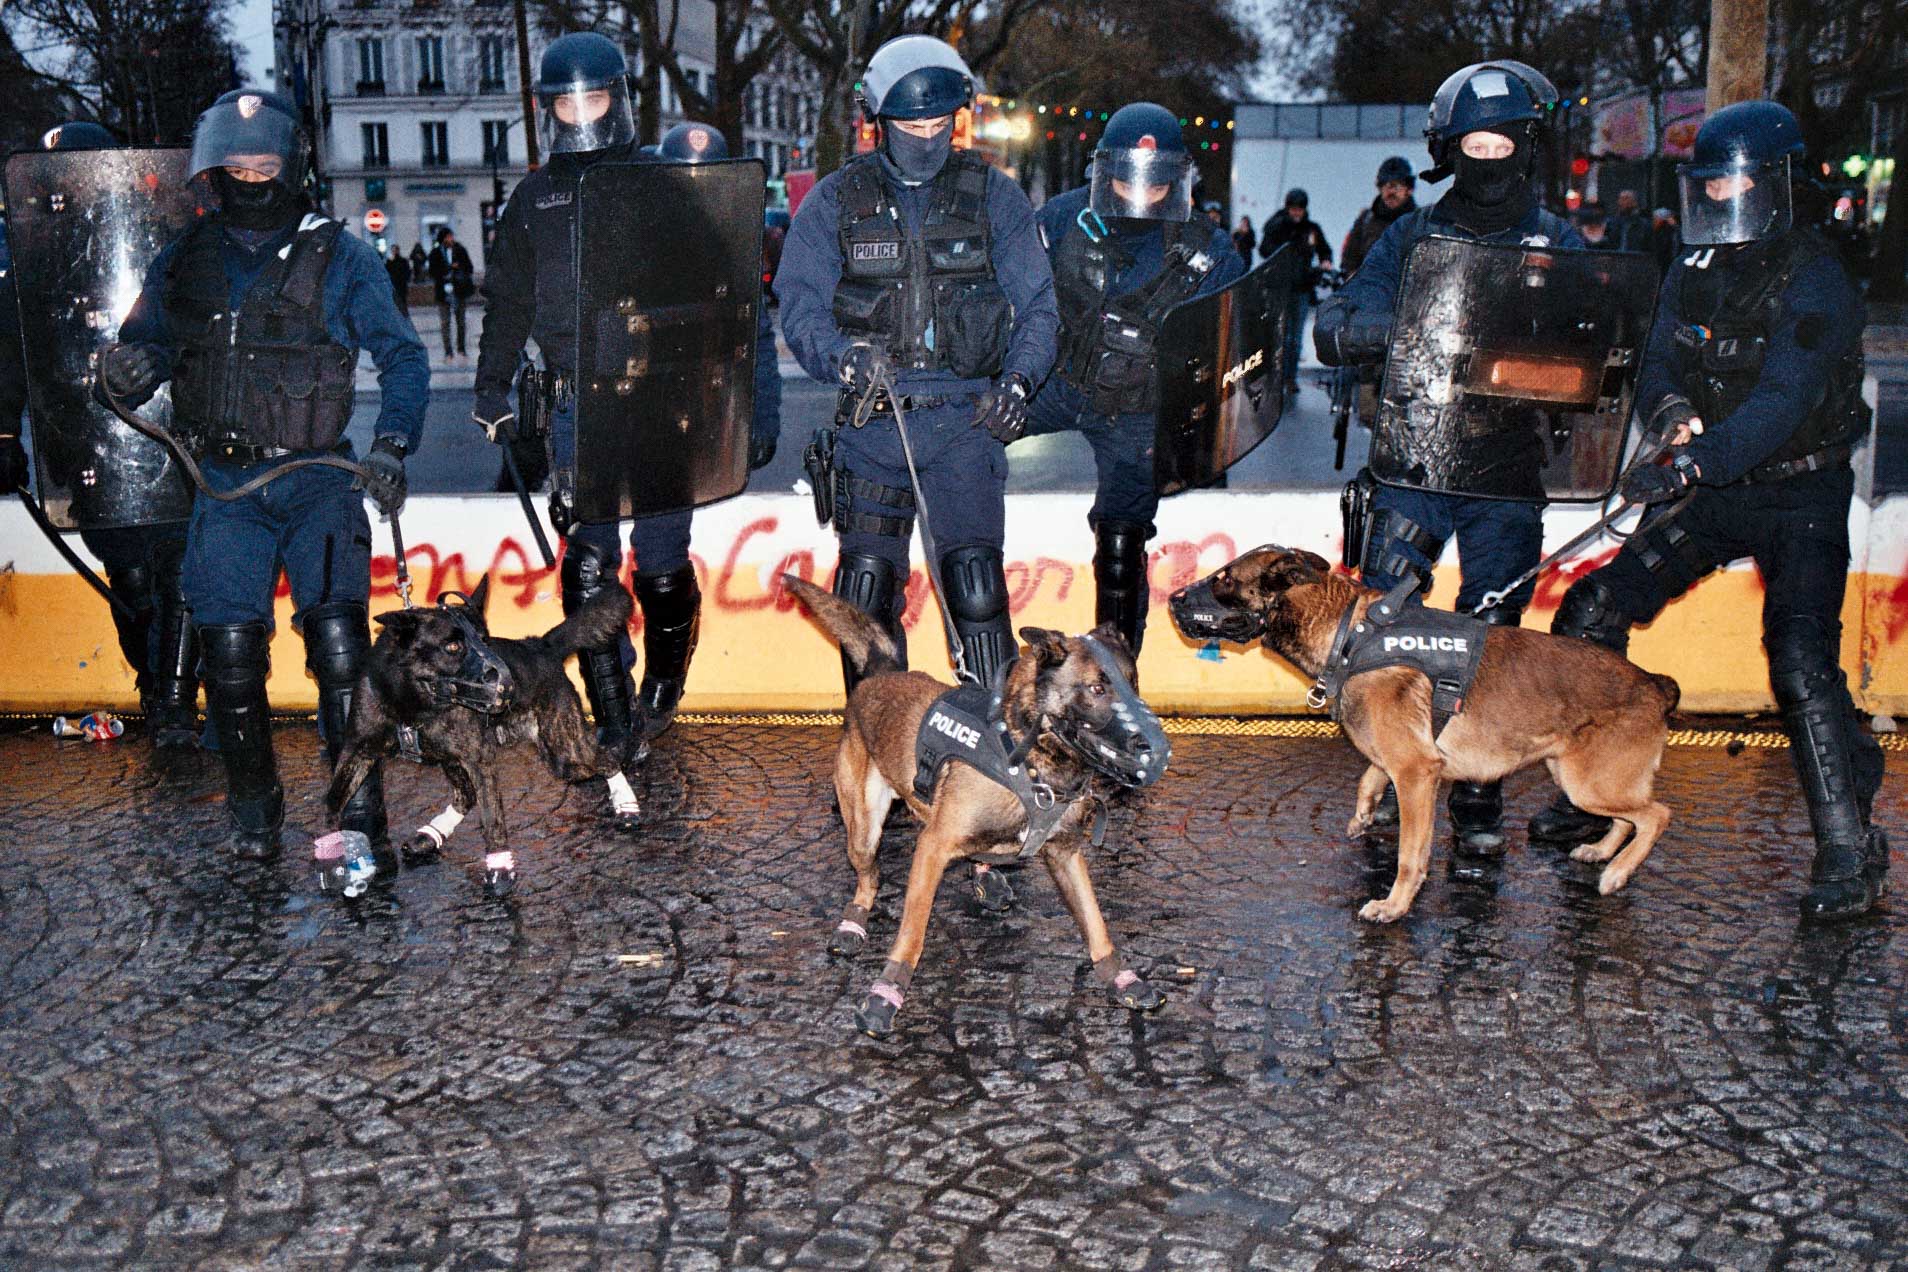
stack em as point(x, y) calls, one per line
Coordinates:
point(871, 584)
point(337, 638)
point(236, 656)
point(1804, 659)
point(976, 582)
point(1119, 553)
point(1589, 611)
point(588, 570)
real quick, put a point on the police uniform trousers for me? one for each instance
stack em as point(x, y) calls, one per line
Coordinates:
point(1122, 450)
point(660, 543)
point(1498, 539)
point(1796, 531)
point(139, 560)
point(309, 522)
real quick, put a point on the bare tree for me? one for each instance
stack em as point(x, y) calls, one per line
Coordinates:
point(145, 67)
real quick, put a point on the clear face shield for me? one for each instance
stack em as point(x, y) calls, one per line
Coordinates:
point(1735, 203)
point(250, 135)
point(584, 117)
point(1143, 184)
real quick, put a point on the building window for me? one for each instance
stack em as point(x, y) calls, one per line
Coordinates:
point(370, 66)
point(430, 63)
point(497, 142)
point(377, 145)
point(490, 64)
point(434, 135)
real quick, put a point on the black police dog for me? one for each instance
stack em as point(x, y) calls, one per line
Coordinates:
point(465, 692)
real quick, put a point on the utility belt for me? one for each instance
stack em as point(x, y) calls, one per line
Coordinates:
point(1836, 456)
point(835, 491)
point(245, 454)
point(541, 393)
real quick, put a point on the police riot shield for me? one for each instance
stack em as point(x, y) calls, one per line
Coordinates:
point(1512, 369)
point(669, 266)
point(84, 226)
point(1221, 376)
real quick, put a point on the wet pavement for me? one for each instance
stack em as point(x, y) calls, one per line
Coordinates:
point(645, 1058)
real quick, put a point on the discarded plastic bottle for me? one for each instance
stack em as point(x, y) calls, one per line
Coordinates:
point(345, 863)
point(100, 726)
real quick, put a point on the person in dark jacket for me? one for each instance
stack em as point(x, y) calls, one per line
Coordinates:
point(453, 282)
point(261, 294)
point(1396, 181)
point(1311, 252)
point(1125, 249)
point(400, 271)
point(1487, 123)
point(1753, 373)
point(1244, 239)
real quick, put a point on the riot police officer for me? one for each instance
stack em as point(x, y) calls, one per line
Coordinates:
point(257, 315)
point(1486, 125)
point(142, 561)
point(530, 290)
point(928, 254)
point(1125, 249)
point(1754, 374)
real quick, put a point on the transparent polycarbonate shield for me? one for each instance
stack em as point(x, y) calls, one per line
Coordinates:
point(1220, 375)
point(1512, 369)
point(669, 286)
point(84, 226)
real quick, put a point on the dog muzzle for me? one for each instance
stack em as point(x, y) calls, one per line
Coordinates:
point(482, 681)
point(1201, 615)
point(1131, 748)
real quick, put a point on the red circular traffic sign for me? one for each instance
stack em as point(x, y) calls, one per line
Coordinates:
point(375, 221)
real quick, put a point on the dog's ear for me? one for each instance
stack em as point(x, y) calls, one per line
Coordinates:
point(1107, 634)
point(1049, 647)
point(1296, 570)
point(1316, 561)
point(479, 597)
point(398, 620)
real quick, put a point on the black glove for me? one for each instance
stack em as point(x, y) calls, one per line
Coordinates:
point(493, 413)
point(1674, 411)
point(131, 372)
point(14, 466)
point(561, 515)
point(1351, 343)
point(1002, 410)
point(761, 450)
point(1660, 483)
point(383, 478)
point(857, 368)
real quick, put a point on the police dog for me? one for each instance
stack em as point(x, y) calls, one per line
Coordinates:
point(440, 672)
point(1056, 681)
point(1596, 720)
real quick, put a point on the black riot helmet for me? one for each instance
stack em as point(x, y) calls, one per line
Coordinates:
point(1502, 97)
point(1737, 185)
point(915, 77)
point(1141, 150)
point(1397, 168)
point(693, 143)
point(253, 129)
point(583, 95)
point(80, 134)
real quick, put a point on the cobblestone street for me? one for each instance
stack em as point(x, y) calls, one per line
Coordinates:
point(645, 1058)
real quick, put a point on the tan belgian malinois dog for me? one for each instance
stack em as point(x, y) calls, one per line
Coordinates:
point(1596, 720)
point(1067, 711)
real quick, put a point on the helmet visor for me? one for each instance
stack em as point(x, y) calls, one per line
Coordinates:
point(585, 116)
point(250, 133)
point(1736, 202)
point(1143, 184)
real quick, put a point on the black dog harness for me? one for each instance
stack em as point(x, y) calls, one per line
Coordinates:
point(1398, 631)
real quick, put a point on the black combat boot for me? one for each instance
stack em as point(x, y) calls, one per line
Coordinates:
point(1850, 860)
point(976, 582)
point(587, 572)
point(872, 585)
point(132, 584)
point(1120, 587)
point(172, 718)
point(337, 641)
point(237, 659)
point(672, 618)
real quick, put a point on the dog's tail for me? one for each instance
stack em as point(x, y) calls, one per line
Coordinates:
point(594, 625)
point(1671, 691)
point(868, 648)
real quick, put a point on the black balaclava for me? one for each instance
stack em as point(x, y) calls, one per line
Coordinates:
point(1492, 195)
point(254, 205)
point(914, 160)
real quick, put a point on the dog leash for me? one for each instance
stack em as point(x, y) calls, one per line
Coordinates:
point(881, 380)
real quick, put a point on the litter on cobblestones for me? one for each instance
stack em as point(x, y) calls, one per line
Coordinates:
point(639, 960)
point(100, 726)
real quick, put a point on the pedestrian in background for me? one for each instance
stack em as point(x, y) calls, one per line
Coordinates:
point(400, 271)
point(1311, 251)
point(452, 280)
point(1244, 239)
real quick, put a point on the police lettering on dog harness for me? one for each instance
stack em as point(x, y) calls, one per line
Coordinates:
point(1398, 631)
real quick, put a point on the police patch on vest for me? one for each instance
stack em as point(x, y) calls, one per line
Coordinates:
point(875, 252)
point(1427, 645)
point(556, 199)
point(965, 734)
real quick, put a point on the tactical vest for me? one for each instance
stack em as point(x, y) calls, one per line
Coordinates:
point(1109, 347)
point(1727, 317)
point(968, 724)
point(1398, 631)
point(269, 375)
point(930, 301)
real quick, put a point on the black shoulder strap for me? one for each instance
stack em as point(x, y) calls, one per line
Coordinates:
point(960, 191)
point(196, 286)
point(311, 252)
point(861, 195)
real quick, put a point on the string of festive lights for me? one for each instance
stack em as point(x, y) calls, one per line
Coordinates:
point(1062, 116)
